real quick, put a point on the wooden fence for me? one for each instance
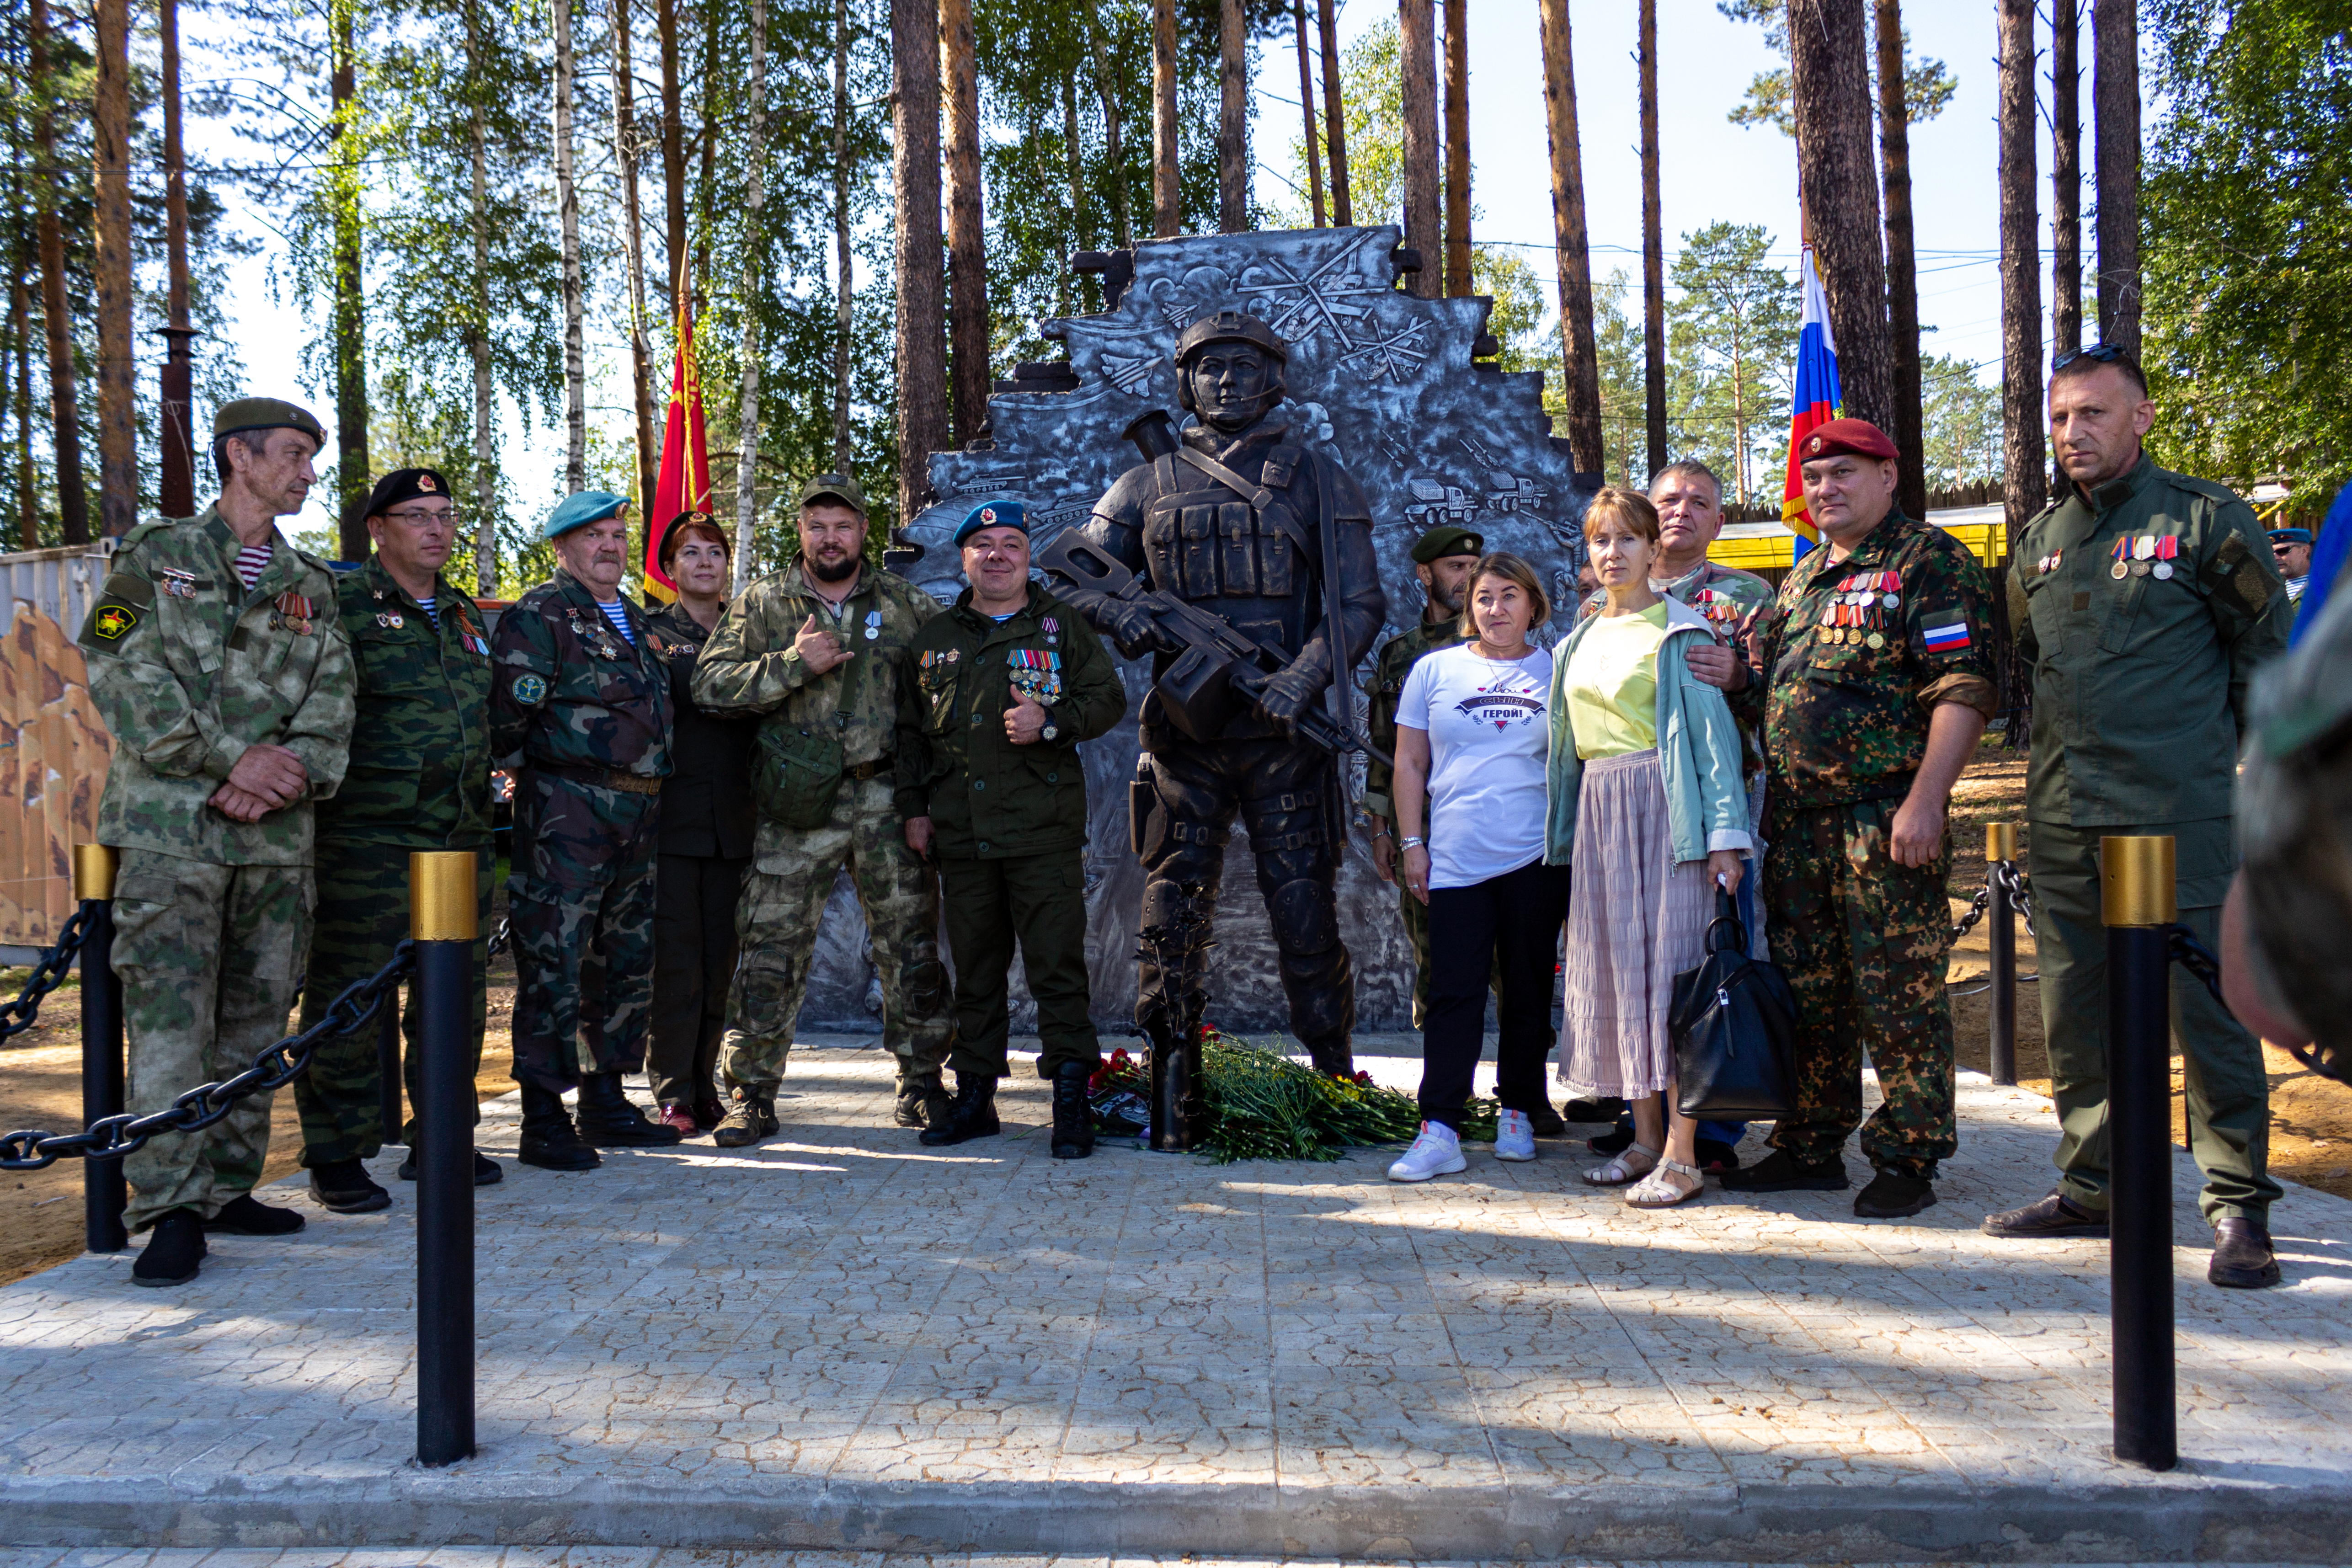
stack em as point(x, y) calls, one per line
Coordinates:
point(53, 747)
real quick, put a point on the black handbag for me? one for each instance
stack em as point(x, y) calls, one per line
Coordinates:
point(1732, 1025)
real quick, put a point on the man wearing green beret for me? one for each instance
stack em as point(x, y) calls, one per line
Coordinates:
point(1442, 560)
point(217, 661)
point(580, 706)
point(419, 780)
point(812, 652)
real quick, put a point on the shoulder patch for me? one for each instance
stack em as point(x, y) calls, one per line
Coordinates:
point(529, 690)
point(128, 587)
point(112, 622)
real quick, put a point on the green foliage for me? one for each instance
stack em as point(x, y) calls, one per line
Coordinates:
point(1731, 338)
point(1959, 423)
point(1927, 86)
point(2247, 240)
point(1371, 91)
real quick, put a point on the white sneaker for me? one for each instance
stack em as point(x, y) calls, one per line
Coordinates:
point(1515, 1136)
point(1436, 1152)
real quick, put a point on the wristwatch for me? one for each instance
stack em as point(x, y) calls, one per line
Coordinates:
point(1052, 731)
point(1412, 841)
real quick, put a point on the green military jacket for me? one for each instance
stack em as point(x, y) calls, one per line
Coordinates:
point(751, 665)
point(2140, 682)
point(1850, 678)
point(988, 798)
point(567, 690)
point(1397, 656)
point(420, 773)
point(189, 667)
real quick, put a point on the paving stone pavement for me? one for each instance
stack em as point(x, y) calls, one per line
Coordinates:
point(842, 1339)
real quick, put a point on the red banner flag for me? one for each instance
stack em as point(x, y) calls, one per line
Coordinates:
point(684, 484)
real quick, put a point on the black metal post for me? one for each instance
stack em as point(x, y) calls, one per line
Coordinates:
point(2000, 918)
point(2138, 873)
point(1176, 1119)
point(103, 1193)
point(387, 1067)
point(442, 922)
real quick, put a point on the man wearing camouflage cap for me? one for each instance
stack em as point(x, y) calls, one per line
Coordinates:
point(1442, 560)
point(419, 780)
point(580, 705)
point(217, 658)
point(813, 650)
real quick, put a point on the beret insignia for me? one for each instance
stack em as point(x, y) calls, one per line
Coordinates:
point(988, 514)
point(425, 482)
point(528, 690)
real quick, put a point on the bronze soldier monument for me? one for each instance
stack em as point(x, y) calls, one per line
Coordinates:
point(1240, 518)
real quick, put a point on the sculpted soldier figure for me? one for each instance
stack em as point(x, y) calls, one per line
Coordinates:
point(1245, 522)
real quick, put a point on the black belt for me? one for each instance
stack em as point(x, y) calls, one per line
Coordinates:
point(602, 778)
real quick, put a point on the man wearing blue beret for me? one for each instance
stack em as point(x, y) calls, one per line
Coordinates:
point(2291, 548)
point(579, 709)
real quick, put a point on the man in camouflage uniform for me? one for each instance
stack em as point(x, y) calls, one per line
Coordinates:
point(993, 699)
point(419, 778)
point(1875, 682)
point(2143, 601)
point(1442, 560)
point(580, 706)
point(216, 658)
point(814, 650)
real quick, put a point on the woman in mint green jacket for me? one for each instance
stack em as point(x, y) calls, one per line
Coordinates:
point(1646, 805)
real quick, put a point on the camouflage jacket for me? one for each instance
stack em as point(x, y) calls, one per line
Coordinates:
point(420, 773)
point(189, 667)
point(1848, 685)
point(568, 690)
point(1396, 659)
point(988, 798)
point(1729, 599)
point(751, 665)
point(2140, 682)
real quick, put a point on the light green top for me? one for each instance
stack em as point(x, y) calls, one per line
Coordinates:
point(1612, 684)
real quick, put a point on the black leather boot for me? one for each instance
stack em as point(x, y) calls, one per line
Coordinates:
point(974, 1114)
point(174, 1251)
point(1074, 1118)
point(549, 1138)
point(611, 1120)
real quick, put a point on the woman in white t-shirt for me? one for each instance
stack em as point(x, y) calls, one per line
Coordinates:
point(1472, 733)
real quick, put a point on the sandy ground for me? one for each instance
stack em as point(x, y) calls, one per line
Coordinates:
point(40, 1082)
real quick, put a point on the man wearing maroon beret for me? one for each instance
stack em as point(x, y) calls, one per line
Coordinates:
point(1875, 678)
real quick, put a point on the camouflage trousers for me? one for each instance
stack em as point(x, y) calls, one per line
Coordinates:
point(363, 915)
point(581, 903)
point(776, 926)
point(1864, 942)
point(207, 956)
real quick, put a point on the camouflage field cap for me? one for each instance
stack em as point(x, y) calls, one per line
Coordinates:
point(266, 414)
point(842, 488)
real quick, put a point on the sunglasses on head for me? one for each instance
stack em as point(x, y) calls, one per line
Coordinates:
point(2101, 353)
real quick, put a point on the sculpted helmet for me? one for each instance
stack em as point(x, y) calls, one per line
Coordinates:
point(1230, 327)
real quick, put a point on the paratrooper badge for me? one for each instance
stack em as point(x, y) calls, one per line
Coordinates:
point(528, 690)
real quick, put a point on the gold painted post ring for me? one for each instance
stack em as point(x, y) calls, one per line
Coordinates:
point(441, 901)
point(2001, 842)
point(2136, 886)
point(94, 865)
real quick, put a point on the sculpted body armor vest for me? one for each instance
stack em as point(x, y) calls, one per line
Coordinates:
point(1247, 561)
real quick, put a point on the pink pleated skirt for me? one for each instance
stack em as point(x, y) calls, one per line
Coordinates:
point(1635, 919)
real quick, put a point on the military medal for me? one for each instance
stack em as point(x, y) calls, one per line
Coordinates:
point(392, 621)
point(2166, 549)
point(2119, 571)
point(1877, 640)
point(293, 614)
point(176, 584)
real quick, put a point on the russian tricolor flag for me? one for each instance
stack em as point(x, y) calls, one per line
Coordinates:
point(1815, 402)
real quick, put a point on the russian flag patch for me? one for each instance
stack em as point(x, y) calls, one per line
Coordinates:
point(1947, 638)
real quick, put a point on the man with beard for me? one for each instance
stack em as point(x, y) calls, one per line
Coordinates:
point(1244, 520)
point(1442, 559)
point(813, 651)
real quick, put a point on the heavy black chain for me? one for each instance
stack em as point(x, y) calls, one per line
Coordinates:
point(500, 938)
point(2195, 957)
point(111, 1137)
point(2020, 888)
point(1975, 912)
point(47, 975)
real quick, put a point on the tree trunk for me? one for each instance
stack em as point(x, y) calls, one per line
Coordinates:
point(2115, 114)
point(118, 441)
point(966, 257)
point(1307, 108)
point(1653, 254)
point(2065, 178)
point(747, 440)
point(176, 486)
point(350, 305)
point(1581, 382)
point(1166, 187)
point(567, 203)
point(28, 512)
point(2021, 270)
point(486, 480)
point(673, 157)
point(1335, 116)
point(1739, 415)
point(633, 246)
point(1829, 71)
point(844, 267)
point(1417, 62)
point(915, 157)
point(64, 408)
point(1233, 118)
point(1114, 157)
point(1457, 150)
point(1902, 275)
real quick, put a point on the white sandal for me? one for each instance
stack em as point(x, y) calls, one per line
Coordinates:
point(1660, 1190)
point(1637, 1160)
